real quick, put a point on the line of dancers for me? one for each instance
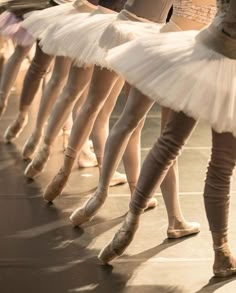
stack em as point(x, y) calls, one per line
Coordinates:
point(186, 65)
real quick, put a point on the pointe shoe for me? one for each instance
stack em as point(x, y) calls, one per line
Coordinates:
point(54, 189)
point(152, 203)
point(38, 163)
point(225, 263)
point(188, 228)
point(15, 128)
point(88, 210)
point(87, 160)
point(121, 240)
point(30, 146)
point(117, 179)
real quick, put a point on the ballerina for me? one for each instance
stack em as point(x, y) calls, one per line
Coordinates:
point(215, 47)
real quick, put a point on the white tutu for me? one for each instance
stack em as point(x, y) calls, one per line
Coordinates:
point(181, 73)
point(81, 43)
point(122, 31)
point(47, 42)
point(38, 22)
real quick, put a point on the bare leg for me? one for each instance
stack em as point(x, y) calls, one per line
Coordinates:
point(217, 200)
point(9, 74)
point(34, 75)
point(101, 86)
point(51, 92)
point(154, 169)
point(78, 80)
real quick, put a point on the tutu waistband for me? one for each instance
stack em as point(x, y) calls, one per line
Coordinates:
point(218, 41)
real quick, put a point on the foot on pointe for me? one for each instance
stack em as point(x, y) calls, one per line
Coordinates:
point(38, 163)
point(88, 210)
point(15, 128)
point(30, 146)
point(117, 179)
point(225, 263)
point(121, 240)
point(56, 186)
point(182, 229)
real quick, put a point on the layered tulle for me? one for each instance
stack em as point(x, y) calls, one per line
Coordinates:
point(10, 27)
point(38, 22)
point(122, 31)
point(183, 74)
point(48, 43)
point(81, 43)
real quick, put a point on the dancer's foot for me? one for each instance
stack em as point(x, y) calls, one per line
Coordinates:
point(89, 209)
point(56, 186)
point(181, 228)
point(121, 240)
point(15, 128)
point(225, 263)
point(30, 146)
point(38, 163)
point(117, 179)
point(87, 159)
point(152, 203)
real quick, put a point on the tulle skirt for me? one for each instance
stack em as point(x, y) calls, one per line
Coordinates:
point(122, 31)
point(180, 71)
point(10, 27)
point(48, 43)
point(81, 43)
point(38, 22)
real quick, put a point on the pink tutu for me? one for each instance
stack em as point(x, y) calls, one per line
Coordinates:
point(10, 27)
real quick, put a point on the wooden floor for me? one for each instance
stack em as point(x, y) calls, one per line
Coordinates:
point(40, 252)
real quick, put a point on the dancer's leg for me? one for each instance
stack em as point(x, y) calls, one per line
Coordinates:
point(100, 130)
point(154, 169)
point(117, 141)
point(36, 71)
point(217, 199)
point(51, 92)
point(78, 80)
point(102, 83)
point(9, 74)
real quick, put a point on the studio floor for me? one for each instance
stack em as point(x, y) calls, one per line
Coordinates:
point(41, 252)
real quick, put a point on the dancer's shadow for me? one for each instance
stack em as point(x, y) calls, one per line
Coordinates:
point(216, 283)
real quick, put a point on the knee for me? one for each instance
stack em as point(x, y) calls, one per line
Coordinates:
point(69, 95)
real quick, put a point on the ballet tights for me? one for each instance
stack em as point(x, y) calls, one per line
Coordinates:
point(101, 87)
point(78, 81)
point(9, 74)
point(52, 91)
point(100, 130)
